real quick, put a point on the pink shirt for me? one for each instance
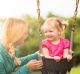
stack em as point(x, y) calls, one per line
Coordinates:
point(56, 50)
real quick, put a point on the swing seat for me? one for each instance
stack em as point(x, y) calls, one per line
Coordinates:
point(50, 65)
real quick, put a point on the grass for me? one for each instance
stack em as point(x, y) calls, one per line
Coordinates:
point(75, 70)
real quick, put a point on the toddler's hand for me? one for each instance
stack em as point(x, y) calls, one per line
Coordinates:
point(57, 58)
point(69, 57)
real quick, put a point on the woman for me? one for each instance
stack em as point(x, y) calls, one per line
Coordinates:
point(14, 33)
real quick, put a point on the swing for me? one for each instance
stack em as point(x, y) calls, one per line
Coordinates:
point(49, 65)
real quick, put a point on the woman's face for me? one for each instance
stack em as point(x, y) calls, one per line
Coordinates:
point(21, 40)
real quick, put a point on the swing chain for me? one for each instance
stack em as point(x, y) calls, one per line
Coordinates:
point(74, 24)
point(39, 23)
point(75, 14)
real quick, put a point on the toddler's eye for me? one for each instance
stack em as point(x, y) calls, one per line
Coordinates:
point(50, 31)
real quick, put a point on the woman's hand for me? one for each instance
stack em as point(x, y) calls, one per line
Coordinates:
point(34, 65)
point(39, 53)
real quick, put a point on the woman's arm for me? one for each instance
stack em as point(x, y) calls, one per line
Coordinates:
point(25, 59)
point(22, 70)
point(30, 66)
point(2, 69)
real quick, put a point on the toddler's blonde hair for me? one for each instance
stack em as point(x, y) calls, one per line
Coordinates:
point(53, 22)
point(57, 23)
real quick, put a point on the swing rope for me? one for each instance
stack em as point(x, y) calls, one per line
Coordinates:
point(74, 24)
point(39, 24)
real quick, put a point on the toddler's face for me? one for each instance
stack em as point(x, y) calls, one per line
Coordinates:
point(51, 33)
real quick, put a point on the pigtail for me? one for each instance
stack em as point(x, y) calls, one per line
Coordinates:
point(12, 54)
point(60, 24)
point(64, 24)
point(64, 27)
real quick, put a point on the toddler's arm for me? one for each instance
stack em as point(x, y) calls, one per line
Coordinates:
point(45, 53)
point(67, 55)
